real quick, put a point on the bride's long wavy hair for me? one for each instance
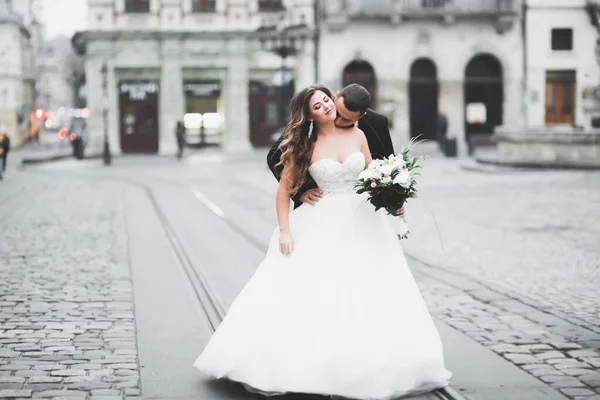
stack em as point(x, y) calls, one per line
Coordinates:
point(296, 146)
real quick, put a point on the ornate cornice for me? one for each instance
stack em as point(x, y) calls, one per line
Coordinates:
point(80, 39)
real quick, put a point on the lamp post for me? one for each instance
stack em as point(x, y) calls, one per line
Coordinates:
point(285, 41)
point(106, 156)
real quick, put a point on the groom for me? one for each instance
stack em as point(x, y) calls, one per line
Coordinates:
point(352, 104)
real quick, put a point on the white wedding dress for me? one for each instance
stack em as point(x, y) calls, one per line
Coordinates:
point(341, 316)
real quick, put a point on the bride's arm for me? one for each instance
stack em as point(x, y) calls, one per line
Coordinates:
point(364, 147)
point(282, 205)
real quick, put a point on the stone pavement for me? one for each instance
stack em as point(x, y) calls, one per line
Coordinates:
point(66, 308)
point(535, 348)
point(528, 234)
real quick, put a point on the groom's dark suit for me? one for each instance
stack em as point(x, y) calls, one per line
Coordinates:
point(376, 129)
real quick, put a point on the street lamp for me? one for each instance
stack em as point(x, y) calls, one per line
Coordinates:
point(106, 156)
point(283, 40)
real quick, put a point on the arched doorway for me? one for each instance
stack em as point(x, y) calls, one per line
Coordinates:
point(423, 99)
point(361, 72)
point(484, 85)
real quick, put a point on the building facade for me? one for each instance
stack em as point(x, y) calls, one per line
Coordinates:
point(483, 63)
point(17, 72)
point(561, 62)
point(418, 57)
point(167, 60)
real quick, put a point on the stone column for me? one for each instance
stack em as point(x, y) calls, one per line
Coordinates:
point(114, 128)
point(513, 103)
point(305, 66)
point(171, 100)
point(93, 65)
point(401, 128)
point(237, 124)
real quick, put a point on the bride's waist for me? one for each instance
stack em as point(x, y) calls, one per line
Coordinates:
point(339, 192)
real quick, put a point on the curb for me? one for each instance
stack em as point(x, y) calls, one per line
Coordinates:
point(539, 165)
point(56, 157)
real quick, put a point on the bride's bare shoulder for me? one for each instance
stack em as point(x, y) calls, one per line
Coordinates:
point(359, 134)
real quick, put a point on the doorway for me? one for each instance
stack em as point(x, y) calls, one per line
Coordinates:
point(560, 97)
point(423, 99)
point(138, 106)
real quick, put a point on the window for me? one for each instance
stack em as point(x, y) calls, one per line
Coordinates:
point(200, 6)
point(137, 6)
point(270, 5)
point(562, 39)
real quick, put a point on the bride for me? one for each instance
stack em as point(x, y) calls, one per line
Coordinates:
point(333, 308)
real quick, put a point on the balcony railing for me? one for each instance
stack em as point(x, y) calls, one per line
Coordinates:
point(421, 8)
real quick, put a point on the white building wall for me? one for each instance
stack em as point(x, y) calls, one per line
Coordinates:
point(16, 84)
point(542, 17)
point(10, 66)
point(392, 48)
point(24, 8)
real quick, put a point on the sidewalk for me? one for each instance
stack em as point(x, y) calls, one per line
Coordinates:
point(49, 148)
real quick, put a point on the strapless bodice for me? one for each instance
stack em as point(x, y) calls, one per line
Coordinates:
point(334, 177)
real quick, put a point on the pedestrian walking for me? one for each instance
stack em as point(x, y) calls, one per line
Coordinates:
point(180, 136)
point(4, 149)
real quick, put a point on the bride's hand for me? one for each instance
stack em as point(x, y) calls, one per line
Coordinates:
point(286, 243)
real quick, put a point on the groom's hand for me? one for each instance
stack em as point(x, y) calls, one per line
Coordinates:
point(400, 212)
point(311, 196)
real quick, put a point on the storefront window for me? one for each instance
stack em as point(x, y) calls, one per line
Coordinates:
point(201, 6)
point(137, 6)
point(204, 118)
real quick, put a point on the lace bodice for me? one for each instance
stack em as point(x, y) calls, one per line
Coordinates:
point(334, 177)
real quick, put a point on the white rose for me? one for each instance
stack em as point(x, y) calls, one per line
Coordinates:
point(386, 179)
point(403, 179)
point(376, 164)
point(399, 163)
point(368, 174)
point(386, 169)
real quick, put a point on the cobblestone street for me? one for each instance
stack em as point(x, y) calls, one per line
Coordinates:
point(66, 305)
point(534, 235)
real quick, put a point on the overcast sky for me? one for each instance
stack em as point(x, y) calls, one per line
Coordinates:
point(63, 16)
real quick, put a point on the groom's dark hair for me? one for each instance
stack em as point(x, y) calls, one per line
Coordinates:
point(356, 98)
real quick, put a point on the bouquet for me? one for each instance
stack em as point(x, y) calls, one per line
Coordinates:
point(390, 182)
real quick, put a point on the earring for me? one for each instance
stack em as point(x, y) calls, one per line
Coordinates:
point(310, 129)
